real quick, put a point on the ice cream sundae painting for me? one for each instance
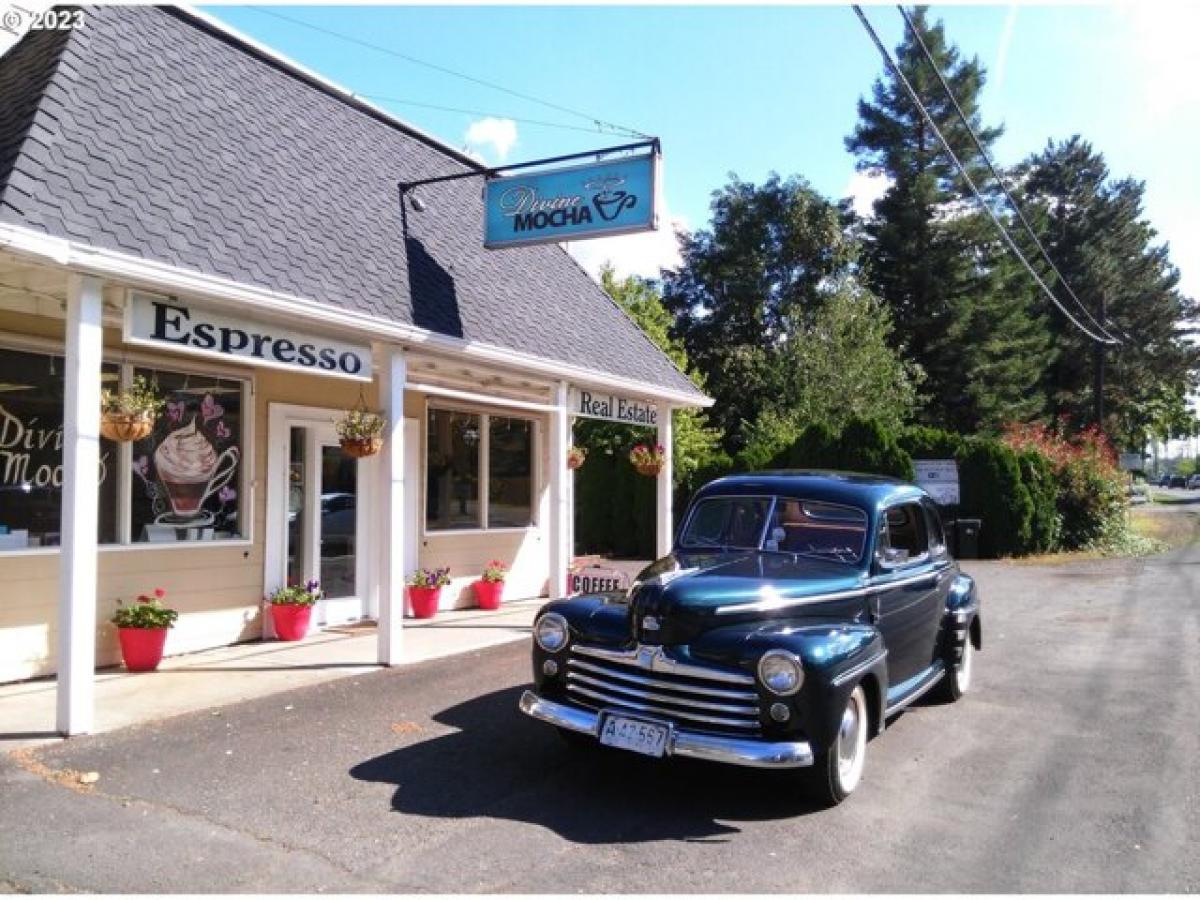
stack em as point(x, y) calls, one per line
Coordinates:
point(187, 471)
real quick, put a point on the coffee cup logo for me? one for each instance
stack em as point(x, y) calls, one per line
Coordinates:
point(191, 471)
point(609, 198)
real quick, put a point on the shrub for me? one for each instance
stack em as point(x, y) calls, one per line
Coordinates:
point(866, 446)
point(1045, 526)
point(992, 490)
point(923, 442)
point(815, 448)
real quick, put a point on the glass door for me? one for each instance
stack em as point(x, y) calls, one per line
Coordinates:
point(324, 522)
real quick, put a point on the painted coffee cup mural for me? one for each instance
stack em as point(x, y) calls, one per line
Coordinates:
point(188, 467)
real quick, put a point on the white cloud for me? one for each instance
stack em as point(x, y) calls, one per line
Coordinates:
point(864, 188)
point(1006, 35)
point(498, 135)
point(641, 254)
point(1162, 37)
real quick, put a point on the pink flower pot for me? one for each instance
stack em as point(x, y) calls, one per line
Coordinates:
point(424, 601)
point(290, 620)
point(487, 593)
point(142, 648)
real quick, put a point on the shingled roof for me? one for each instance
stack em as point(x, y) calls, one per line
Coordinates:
point(152, 133)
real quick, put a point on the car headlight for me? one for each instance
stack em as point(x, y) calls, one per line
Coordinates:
point(781, 672)
point(550, 632)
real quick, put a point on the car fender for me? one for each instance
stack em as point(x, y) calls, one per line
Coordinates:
point(962, 620)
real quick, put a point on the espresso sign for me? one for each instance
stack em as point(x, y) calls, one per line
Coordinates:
point(597, 200)
point(592, 405)
point(162, 322)
point(939, 479)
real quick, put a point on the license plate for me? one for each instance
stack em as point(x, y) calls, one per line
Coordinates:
point(634, 734)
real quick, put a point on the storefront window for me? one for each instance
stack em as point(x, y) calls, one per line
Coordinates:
point(31, 443)
point(452, 483)
point(186, 474)
point(510, 472)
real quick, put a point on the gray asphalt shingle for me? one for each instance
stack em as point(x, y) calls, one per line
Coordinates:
point(146, 132)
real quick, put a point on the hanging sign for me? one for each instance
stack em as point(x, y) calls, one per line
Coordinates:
point(597, 579)
point(1132, 462)
point(163, 322)
point(595, 200)
point(593, 405)
point(939, 479)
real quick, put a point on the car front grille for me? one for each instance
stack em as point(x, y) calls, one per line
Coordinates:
point(645, 680)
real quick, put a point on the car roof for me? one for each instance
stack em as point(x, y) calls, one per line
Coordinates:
point(870, 491)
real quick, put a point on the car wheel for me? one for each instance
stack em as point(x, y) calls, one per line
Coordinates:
point(837, 771)
point(958, 679)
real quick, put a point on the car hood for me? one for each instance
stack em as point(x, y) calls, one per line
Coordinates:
point(686, 594)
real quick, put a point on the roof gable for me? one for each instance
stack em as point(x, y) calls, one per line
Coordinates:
point(158, 137)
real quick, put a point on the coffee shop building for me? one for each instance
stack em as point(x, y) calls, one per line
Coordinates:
point(181, 205)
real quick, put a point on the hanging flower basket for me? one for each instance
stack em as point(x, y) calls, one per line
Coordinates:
point(576, 457)
point(361, 431)
point(360, 447)
point(129, 415)
point(648, 461)
point(125, 427)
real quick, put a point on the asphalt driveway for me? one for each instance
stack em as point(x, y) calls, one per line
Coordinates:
point(1071, 766)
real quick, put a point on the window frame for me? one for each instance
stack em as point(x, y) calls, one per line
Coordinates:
point(126, 361)
point(882, 529)
point(485, 417)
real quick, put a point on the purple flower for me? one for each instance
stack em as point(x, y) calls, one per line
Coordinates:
point(211, 409)
point(222, 432)
point(311, 585)
point(175, 410)
point(141, 465)
point(227, 494)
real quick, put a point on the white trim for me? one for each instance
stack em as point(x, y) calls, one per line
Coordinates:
point(470, 397)
point(156, 276)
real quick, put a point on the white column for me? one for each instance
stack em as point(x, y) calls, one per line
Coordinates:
point(560, 501)
point(390, 551)
point(664, 528)
point(80, 501)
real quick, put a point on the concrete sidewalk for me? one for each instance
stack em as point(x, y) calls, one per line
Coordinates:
point(214, 678)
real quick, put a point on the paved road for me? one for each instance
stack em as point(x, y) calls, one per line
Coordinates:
point(1072, 766)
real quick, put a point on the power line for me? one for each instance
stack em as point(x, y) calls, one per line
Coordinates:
point(601, 123)
point(476, 112)
point(895, 70)
point(962, 116)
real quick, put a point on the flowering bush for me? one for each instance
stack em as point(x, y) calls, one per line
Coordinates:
point(429, 578)
point(297, 595)
point(576, 457)
point(148, 612)
point(1091, 486)
point(644, 455)
point(495, 571)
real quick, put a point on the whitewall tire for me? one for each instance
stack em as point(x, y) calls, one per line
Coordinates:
point(838, 770)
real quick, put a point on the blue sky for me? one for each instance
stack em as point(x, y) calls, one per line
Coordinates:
point(760, 89)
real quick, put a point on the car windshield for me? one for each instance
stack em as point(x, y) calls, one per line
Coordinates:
point(804, 527)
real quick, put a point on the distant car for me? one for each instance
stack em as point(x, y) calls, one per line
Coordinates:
point(1193, 483)
point(797, 612)
point(1177, 481)
point(1163, 480)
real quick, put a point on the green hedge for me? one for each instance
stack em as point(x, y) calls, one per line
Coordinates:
point(923, 442)
point(614, 507)
point(1045, 525)
point(991, 489)
point(862, 446)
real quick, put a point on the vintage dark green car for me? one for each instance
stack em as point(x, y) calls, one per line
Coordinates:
point(796, 614)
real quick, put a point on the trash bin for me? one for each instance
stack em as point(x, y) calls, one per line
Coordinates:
point(966, 538)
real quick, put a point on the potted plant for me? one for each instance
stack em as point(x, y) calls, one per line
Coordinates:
point(576, 457)
point(291, 609)
point(490, 585)
point(142, 630)
point(129, 415)
point(648, 460)
point(360, 432)
point(425, 590)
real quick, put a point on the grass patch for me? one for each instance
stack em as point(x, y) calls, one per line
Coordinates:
point(1174, 530)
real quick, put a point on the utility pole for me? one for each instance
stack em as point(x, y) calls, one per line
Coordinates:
point(1098, 370)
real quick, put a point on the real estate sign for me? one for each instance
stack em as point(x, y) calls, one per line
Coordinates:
point(939, 479)
point(597, 405)
point(599, 199)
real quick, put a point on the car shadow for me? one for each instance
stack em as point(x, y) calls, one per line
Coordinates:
point(501, 764)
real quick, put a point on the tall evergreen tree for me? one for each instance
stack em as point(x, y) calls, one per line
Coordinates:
point(1094, 229)
point(958, 305)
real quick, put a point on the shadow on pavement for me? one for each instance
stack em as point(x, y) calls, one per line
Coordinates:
point(502, 765)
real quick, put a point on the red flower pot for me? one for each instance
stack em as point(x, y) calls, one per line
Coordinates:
point(424, 601)
point(290, 620)
point(487, 593)
point(142, 648)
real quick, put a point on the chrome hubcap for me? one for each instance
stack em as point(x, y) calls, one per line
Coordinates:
point(851, 742)
point(964, 666)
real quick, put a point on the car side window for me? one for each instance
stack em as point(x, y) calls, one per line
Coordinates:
point(903, 536)
point(937, 535)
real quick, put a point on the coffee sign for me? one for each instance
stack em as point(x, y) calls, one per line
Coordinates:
point(597, 580)
point(164, 322)
point(596, 200)
point(593, 405)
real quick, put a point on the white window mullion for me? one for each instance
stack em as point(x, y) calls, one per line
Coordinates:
point(485, 440)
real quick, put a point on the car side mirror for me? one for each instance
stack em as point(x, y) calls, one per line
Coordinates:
point(891, 557)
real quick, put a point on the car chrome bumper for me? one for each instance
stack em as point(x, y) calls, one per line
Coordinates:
point(714, 748)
